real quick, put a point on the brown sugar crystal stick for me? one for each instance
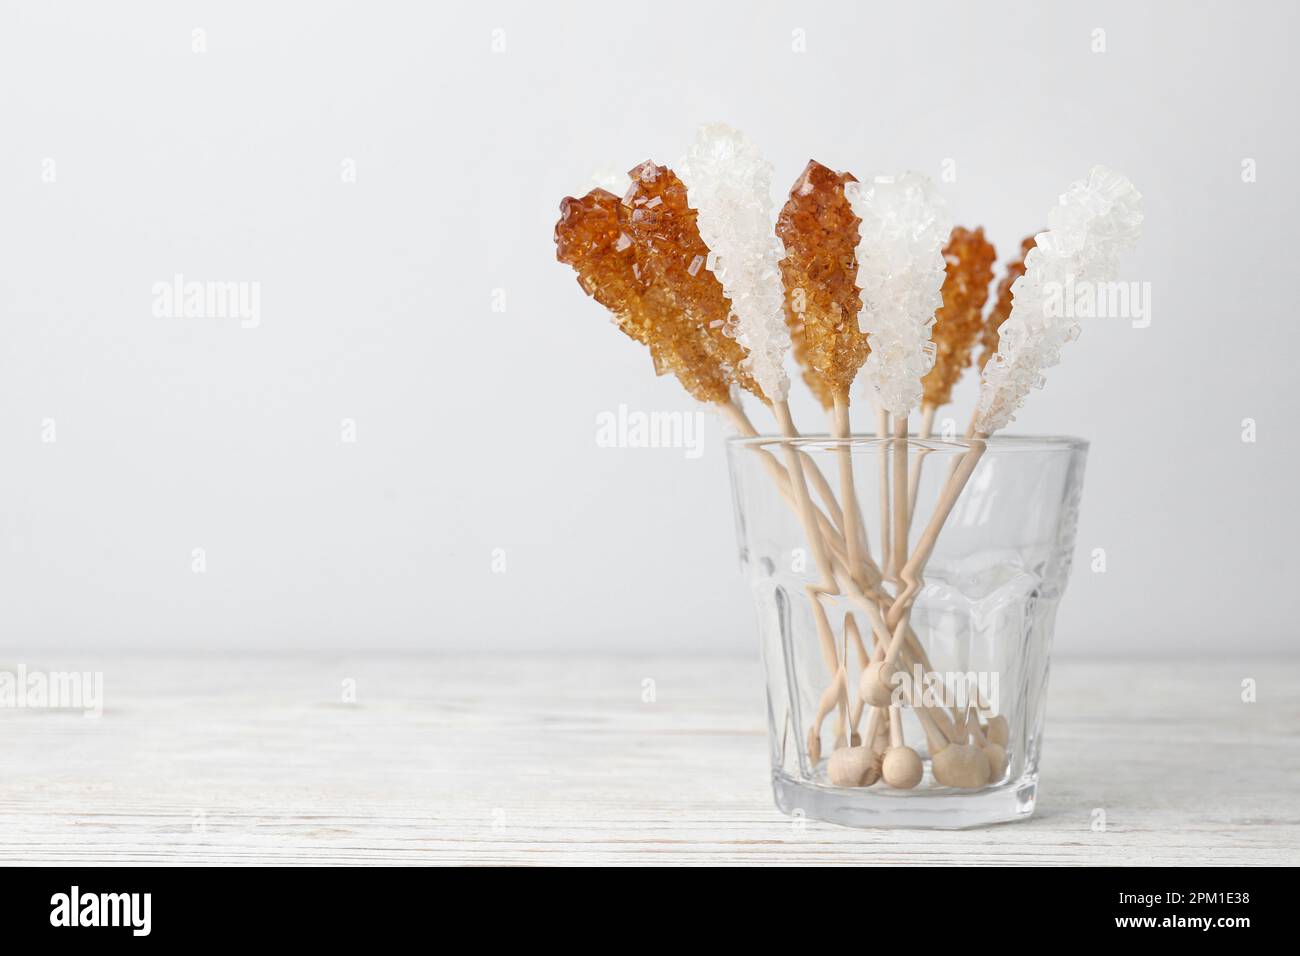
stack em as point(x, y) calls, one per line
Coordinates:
point(663, 308)
point(819, 232)
point(968, 270)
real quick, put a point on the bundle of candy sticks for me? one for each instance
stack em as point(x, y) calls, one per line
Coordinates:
point(854, 276)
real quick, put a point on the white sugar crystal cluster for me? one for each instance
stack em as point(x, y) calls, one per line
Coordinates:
point(729, 184)
point(900, 272)
point(1096, 220)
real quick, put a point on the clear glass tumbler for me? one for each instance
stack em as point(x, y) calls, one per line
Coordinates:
point(985, 531)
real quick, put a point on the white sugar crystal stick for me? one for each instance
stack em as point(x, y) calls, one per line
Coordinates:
point(900, 273)
point(900, 276)
point(729, 184)
point(1096, 220)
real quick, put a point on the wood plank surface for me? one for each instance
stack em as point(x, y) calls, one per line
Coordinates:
point(545, 760)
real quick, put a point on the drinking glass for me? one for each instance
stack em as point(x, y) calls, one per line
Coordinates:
point(971, 669)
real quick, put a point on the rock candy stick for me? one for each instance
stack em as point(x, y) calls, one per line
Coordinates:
point(1096, 220)
point(968, 270)
point(819, 231)
point(902, 231)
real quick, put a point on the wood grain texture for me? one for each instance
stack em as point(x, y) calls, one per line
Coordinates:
point(561, 761)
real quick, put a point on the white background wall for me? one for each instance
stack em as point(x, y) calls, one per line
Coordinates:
point(475, 429)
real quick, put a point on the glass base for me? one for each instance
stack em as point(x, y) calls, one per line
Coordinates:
point(881, 807)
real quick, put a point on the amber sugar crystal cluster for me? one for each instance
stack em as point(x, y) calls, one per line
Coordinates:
point(820, 233)
point(968, 266)
point(672, 257)
point(1002, 304)
point(643, 259)
point(594, 236)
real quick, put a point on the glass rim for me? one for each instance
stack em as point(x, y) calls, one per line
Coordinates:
point(1008, 443)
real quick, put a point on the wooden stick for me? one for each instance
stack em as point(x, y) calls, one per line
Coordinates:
point(812, 532)
point(851, 631)
point(731, 411)
point(854, 534)
point(899, 531)
point(896, 619)
point(740, 421)
point(829, 652)
point(927, 428)
point(823, 489)
point(934, 740)
point(882, 432)
point(831, 696)
point(939, 715)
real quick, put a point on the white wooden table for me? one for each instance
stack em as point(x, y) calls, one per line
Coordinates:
point(562, 761)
